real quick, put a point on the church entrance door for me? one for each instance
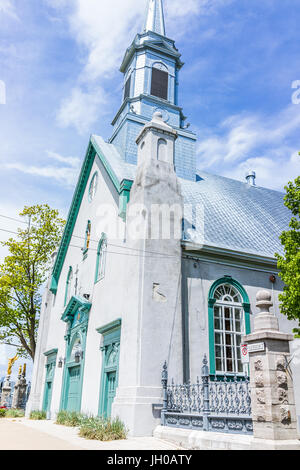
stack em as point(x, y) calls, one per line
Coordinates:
point(110, 366)
point(73, 389)
point(110, 392)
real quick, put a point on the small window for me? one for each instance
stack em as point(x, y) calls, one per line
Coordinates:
point(69, 286)
point(101, 258)
point(93, 187)
point(127, 88)
point(87, 237)
point(159, 83)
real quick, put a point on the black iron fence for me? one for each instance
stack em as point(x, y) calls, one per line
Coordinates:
point(210, 404)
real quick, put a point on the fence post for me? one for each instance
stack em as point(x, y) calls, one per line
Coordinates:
point(205, 382)
point(164, 381)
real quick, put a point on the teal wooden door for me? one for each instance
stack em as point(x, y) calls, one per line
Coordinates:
point(50, 368)
point(111, 385)
point(48, 393)
point(73, 389)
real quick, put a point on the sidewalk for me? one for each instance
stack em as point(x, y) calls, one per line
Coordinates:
point(25, 434)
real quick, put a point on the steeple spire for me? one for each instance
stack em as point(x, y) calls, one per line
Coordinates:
point(155, 17)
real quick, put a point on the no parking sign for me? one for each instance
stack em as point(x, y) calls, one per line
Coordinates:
point(244, 354)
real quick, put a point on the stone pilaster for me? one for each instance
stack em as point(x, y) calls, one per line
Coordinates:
point(151, 323)
point(272, 393)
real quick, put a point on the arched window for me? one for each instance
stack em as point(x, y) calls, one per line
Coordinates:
point(101, 258)
point(127, 88)
point(229, 320)
point(69, 285)
point(93, 186)
point(87, 237)
point(162, 154)
point(160, 81)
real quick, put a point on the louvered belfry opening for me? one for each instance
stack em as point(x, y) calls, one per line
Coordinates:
point(127, 88)
point(159, 84)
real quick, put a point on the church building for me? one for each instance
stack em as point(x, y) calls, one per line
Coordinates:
point(122, 299)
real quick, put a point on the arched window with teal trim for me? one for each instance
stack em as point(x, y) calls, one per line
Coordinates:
point(69, 285)
point(101, 258)
point(229, 320)
point(87, 238)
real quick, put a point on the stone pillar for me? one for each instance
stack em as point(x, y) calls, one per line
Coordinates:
point(6, 391)
point(271, 382)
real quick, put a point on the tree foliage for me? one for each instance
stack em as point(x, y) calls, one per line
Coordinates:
point(289, 264)
point(23, 274)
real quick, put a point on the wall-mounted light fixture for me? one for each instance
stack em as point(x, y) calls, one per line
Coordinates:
point(60, 362)
point(78, 356)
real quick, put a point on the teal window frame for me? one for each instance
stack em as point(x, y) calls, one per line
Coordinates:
point(101, 257)
point(211, 302)
point(67, 291)
point(88, 230)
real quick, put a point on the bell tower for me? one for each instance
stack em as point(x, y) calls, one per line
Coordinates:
point(151, 68)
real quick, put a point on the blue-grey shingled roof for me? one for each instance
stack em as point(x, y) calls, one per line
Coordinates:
point(237, 216)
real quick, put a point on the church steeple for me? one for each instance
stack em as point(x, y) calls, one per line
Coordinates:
point(151, 66)
point(155, 17)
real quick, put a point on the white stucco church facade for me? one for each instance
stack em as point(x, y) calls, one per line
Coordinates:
point(120, 302)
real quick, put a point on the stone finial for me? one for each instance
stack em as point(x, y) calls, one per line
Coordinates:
point(263, 301)
point(265, 320)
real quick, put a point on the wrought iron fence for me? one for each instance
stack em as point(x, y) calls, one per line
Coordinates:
point(210, 404)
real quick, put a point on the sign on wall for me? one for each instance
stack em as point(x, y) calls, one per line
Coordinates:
point(244, 354)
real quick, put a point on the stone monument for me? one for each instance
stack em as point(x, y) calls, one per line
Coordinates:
point(19, 397)
point(6, 390)
point(271, 381)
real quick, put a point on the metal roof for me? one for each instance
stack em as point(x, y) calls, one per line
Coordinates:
point(222, 212)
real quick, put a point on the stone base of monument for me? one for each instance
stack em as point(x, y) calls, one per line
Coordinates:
point(202, 440)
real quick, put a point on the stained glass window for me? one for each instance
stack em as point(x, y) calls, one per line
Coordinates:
point(101, 258)
point(69, 286)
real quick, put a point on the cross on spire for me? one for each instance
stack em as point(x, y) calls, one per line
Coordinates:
point(155, 17)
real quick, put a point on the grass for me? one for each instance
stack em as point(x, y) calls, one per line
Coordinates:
point(103, 429)
point(11, 413)
point(91, 427)
point(38, 415)
point(69, 418)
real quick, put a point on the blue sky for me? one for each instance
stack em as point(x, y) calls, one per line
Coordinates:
point(59, 60)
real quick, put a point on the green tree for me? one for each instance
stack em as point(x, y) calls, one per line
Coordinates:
point(289, 264)
point(23, 274)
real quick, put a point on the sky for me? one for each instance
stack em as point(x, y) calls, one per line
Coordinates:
point(60, 82)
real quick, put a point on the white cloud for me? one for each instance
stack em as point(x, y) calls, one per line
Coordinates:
point(103, 30)
point(272, 172)
point(66, 175)
point(8, 8)
point(71, 161)
point(254, 142)
point(81, 109)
